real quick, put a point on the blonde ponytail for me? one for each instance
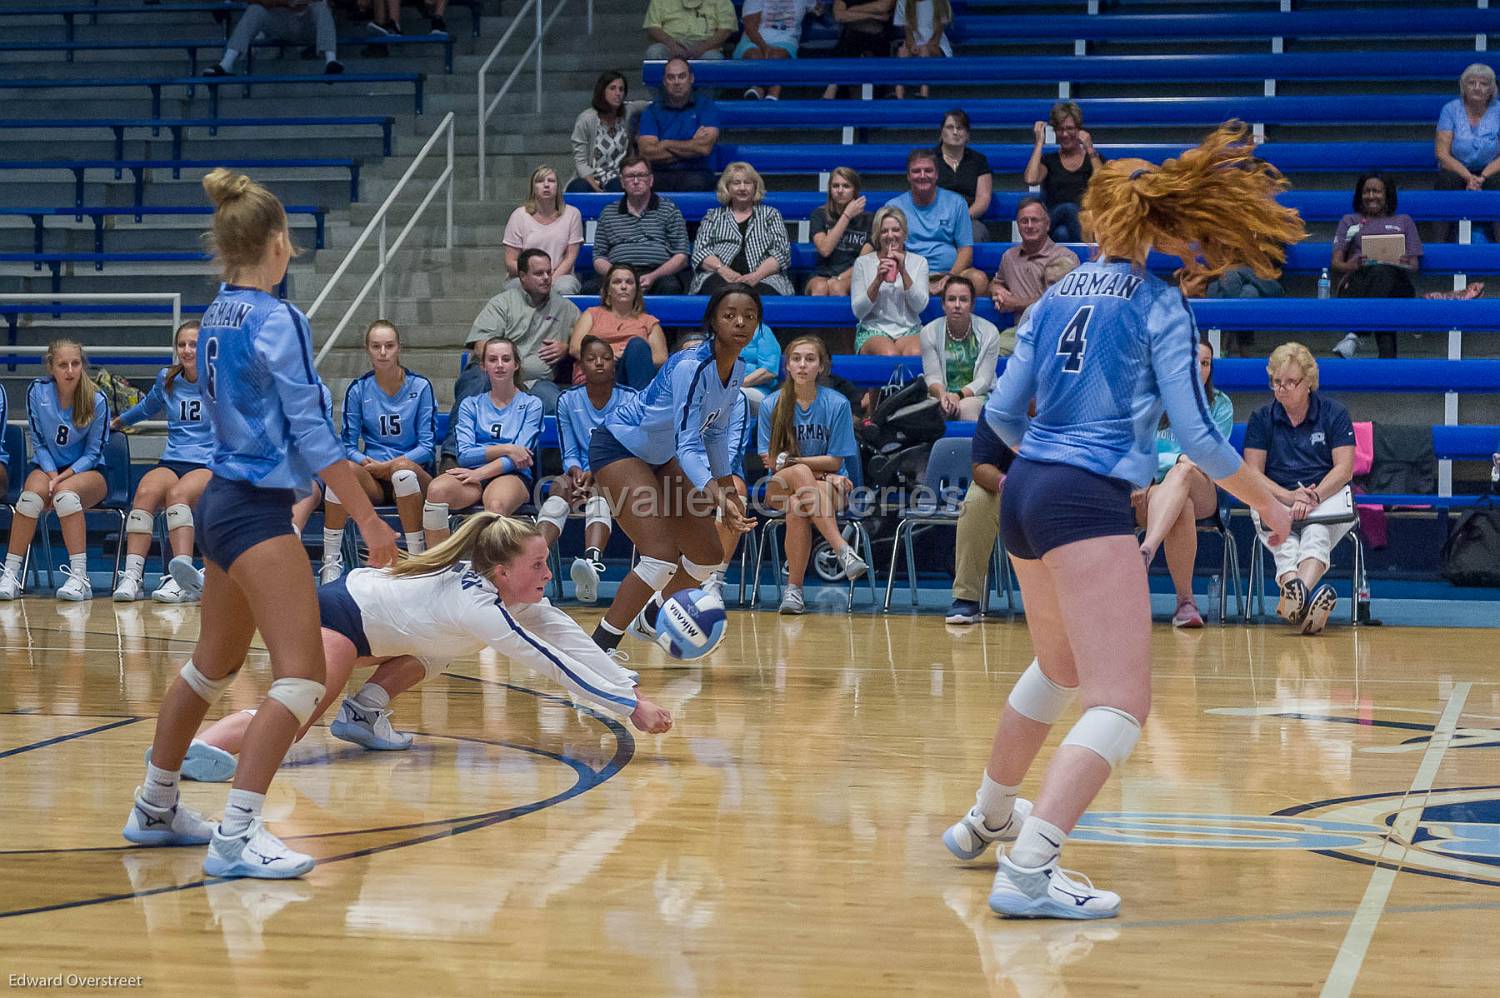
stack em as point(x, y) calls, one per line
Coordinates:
point(485, 539)
point(85, 394)
point(1214, 207)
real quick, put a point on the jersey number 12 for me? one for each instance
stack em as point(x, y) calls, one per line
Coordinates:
point(1074, 340)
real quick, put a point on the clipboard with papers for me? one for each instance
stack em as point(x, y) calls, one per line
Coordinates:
point(1337, 508)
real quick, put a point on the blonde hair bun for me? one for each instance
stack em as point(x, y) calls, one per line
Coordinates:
point(223, 184)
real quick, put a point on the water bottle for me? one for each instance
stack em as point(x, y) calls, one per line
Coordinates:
point(1211, 606)
point(1325, 288)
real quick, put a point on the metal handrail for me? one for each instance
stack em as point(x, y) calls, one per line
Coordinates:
point(377, 225)
point(486, 110)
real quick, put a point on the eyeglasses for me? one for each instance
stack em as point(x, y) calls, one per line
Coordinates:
point(635, 176)
point(1286, 386)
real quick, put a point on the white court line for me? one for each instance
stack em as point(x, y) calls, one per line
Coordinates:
point(1356, 943)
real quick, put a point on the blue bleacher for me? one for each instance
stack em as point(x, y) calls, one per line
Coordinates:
point(99, 214)
point(71, 13)
point(1413, 22)
point(138, 168)
point(213, 85)
point(193, 45)
point(179, 126)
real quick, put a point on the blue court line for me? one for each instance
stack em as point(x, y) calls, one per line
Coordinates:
point(64, 738)
point(1300, 916)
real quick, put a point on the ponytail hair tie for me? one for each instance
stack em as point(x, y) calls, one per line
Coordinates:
point(1137, 174)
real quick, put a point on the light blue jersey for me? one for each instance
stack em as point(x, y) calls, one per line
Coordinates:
point(823, 428)
point(56, 443)
point(271, 427)
point(577, 419)
point(391, 426)
point(741, 436)
point(684, 413)
point(4, 415)
point(189, 437)
point(1102, 351)
point(481, 424)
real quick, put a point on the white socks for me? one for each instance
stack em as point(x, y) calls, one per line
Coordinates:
point(1039, 844)
point(333, 542)
point(160, 788)
point(13, 565)
point(372, 696)
point(135, 564)
point(995, 802)
point(79, 564)
point(240, 810)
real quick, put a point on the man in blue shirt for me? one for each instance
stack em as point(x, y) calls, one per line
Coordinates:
point(978, 524)
point(937, 225)
point(678, 133)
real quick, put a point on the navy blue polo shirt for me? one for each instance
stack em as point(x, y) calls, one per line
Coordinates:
point(1302, 454)
point(988, 448)
point(680, 124)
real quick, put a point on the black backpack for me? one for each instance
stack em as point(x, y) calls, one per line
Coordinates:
point(1471, 554)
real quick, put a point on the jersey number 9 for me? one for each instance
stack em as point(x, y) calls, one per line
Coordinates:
point(1074, 340)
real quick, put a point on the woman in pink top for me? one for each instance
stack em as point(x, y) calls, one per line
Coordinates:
point(544, 222)
point(621, 320)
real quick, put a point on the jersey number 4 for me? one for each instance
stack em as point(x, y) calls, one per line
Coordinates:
point(1074, 340)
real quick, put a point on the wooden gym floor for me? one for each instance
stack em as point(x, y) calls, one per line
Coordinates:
point(1302, 815)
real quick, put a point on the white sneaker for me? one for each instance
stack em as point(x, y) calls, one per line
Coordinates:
point(77, 589)
point(854, 566)
point(1346, 347)
point(367, 726)
point(331, 571)
point(585, 575)
point(792, 603)
point(641, 630)
point(178, 825)
point(254, 853)
point(1048, 892)
point(971, 836)
point(129, 589)
point(170, 592)
point(10, 586)
point(188, 578)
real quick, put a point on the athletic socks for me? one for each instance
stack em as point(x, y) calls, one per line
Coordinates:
point(995, 802)
point(79, 565)
point(13, 565)
point(594, 555)
point(160, 788)
point(333, 543)
point(135, 564)
point(240, 810)
point(373, 696)
point(416, 542)
point(606, 637)
point(1039, 844)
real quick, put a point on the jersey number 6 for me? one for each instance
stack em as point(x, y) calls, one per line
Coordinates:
point(211, 356)
point(1075, 340)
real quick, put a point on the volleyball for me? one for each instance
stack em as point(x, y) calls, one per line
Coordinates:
point(691, 624)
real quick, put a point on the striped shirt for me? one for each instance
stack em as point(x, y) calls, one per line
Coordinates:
point(647, 240)
point(764, 235)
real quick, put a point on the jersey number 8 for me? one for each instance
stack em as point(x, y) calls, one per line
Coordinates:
point(1074, 340)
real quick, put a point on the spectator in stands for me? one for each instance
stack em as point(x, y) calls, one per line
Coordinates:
point(959, 353)
point(924, 24)
point(762, 357)
point(1170, 509)
point(840, 229)
point(1468, 135)
point(678, 132)
point(889, 290)
point(1242, 282)
point(621, 322)
point(939, 229)
point(645, 232)
point(1304, 442)
point(1064, 174)
point(1020, 280)
point(978, 523)
point(602, 135)
point(497, 435)
point(537, 320)
point(772, 29)
point(385, 16)
point(1358, 276)
point(806, 439)
point(546, 223)
point(744, 241)
point(864, 32)
point(295, 22)
point(964, 171)
point(688, 29)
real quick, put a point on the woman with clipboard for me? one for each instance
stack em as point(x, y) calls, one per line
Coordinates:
point(1375, 253)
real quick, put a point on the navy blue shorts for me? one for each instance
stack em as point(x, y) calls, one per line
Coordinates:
point(605, 450)
point(1045, 506)
point(338, 612)
point(234, 516)
point(180, 468)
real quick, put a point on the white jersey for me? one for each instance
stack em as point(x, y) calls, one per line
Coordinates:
point(438, 618)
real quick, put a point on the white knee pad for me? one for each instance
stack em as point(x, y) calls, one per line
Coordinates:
point(596, 510)
point(138, 522)
point(1039, 698)
point(30, 504)
point(406, 483)
point(1108, 732)
point(300, 696)
point(434, 515)
point(655, 572)
point(554, 511)
point(703, 572)
point(328, 495)
point(178, 515)
point(67, 504)
point(208, 690)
